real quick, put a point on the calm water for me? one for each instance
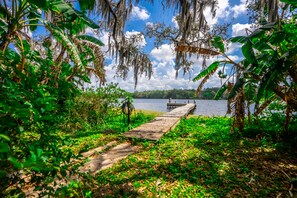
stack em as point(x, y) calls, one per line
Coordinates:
point(204, 107)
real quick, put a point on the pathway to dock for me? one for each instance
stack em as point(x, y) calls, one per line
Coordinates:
point(152, 130)
point(156, 128)
point(105, 156)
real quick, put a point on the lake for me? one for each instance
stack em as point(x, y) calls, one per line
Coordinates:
point(204, 107)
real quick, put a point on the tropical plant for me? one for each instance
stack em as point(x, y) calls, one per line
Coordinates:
point(268, 70)
point(37, 83)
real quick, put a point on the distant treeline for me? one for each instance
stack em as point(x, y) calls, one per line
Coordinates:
point(207, 93)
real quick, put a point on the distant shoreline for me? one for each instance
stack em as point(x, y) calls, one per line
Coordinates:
point(185, 94)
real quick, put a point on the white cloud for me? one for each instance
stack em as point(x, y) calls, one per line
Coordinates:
point(222, 11)
point(239, 29)
point(139, 13)
point(174, 21)
point(163, 77)
point(233, 47)
point(239, 9)
point(164, 53)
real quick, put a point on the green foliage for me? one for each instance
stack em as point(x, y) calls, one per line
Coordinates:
point(207, 93)
point(210, 69)
point(91, 108)
point(220, 92)
point(268, 70)
point(37, 94)
point(217, 42)
point(91, 39)
point(29, 111)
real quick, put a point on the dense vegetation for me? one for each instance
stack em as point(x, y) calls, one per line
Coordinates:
point(208, 94)
point(269, 69)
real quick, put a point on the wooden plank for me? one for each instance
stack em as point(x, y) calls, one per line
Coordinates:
point(155, 129)
point(108, 158)
point(180, 112)
point(176, 104)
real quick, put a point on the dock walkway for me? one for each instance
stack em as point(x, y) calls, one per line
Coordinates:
point(155, 129)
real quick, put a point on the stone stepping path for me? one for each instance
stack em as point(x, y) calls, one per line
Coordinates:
point(155, 129)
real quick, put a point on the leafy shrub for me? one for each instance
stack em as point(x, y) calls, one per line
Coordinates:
point(92, 108)
point(29, 111)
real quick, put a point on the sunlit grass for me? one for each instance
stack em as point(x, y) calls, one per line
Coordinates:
point(198, 159)
point(110, 130)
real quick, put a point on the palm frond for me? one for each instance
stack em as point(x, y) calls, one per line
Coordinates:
point(220, 92)
point(98, 58)
point(208, 71)
point(61, 37)
point(208, 75)
point(90, 39)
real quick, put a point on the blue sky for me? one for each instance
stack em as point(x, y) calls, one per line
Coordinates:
point(228, 11)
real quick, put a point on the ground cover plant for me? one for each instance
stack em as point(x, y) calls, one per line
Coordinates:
point(200, 158)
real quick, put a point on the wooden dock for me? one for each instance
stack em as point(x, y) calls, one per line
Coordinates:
point(172, 105)
point(156, 128)
point(153, 130)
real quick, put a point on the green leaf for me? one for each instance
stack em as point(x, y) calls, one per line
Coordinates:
point(268, 26)
point(207, 71)
point(3, 25)
point(66, 42)
point(292, 2)
point(4, 147)
point(239, 39)
point(16, 164)
point(90, 39)
point(61, 7)
point(42, 4)
point(39, 152)
point(256, 33)
point(5, 137)
point(87, 5)
point(237, 87)
point(34, 16)
point(217, 42)
point(220, 92)
point(261, 46)
point(248, 53)
point(88, 21)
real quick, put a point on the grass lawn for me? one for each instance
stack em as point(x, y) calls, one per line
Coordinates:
point(201, 159)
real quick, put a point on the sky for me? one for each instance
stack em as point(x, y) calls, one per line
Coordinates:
point(163, 58)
